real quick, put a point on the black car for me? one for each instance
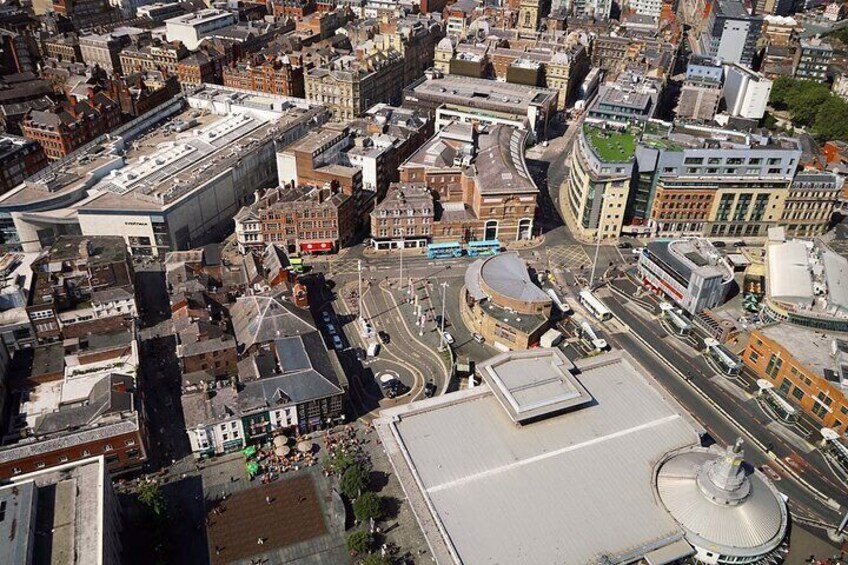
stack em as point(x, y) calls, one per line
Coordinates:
point(439, 321)
point(429, 390)
point(625, 245)
point(739, 244)
point(384, 337)
point(719, 244)
point(394, 389)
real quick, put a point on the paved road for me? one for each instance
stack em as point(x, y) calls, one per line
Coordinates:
point(383, 311)
point(720, 428)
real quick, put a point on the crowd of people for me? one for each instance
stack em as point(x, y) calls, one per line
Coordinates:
point(344, 441)
point(273, 465)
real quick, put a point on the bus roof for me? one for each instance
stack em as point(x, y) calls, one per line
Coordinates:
point(449, 245)
point(484, 243)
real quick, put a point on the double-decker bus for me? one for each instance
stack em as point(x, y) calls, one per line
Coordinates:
point(595, 306)
point(484, 247)
point(444, 250)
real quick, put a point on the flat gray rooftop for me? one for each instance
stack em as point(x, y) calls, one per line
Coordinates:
point(566, 489)
point(67, 505)
point(481, 93)
point(532, 384)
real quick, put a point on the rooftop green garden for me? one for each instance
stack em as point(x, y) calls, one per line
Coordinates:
point(611, 146)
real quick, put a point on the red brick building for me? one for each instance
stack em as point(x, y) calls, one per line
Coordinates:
point(204, 346)
point(295, 9)
point(94, 285)
point(274, 76)
point(78, 400)
point(205, 65)
point(138, 93)
point(88, 13)
point(19, 159)
point(71, 124)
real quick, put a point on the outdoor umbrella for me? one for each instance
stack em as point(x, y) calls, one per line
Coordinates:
point(304, 446)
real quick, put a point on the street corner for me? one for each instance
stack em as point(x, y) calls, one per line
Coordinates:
point(523, 244)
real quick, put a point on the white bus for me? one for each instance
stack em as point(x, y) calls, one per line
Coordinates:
point(595, 306)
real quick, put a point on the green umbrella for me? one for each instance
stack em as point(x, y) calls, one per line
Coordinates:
point(249, 451)
point(252, 468)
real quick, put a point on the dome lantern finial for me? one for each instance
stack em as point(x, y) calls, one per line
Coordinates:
point(724, 480)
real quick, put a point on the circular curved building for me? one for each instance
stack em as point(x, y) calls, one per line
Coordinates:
point(503, 304)
point(730, 513)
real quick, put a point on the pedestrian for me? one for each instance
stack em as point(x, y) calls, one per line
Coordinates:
point(260, 541)
point(267, 500)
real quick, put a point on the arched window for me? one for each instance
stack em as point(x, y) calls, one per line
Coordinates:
point(525, 228)
point(491, 230)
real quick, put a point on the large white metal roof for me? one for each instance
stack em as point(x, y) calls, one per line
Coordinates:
point(789, 276)
point(573, 488)
point(750, 521)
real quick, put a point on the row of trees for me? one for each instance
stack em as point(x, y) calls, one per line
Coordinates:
point(812, 106)
point(355, 473)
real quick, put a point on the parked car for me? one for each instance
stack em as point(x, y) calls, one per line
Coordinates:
point(331, 328)
point(478, 338)
point(337, 342)
point(429, 390)
point(625, 245)
point(739, 244)
point(448, 338)
point(719, 244)
point(326, 317)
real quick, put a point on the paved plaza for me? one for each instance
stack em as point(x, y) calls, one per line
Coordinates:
point(304, 522)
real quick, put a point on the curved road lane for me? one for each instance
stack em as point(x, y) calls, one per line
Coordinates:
point(385, 315)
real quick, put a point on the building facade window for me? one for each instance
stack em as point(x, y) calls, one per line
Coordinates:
point(773, 366)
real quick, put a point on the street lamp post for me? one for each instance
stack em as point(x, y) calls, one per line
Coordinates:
point(444, 286)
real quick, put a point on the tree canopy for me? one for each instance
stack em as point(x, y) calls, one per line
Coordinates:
point(150, 495)
point(813, 106)
point(359, 542)
point(354, 481)
point(368, 506)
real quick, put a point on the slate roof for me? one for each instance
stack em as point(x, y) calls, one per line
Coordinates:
point(261, 319)
point(111, 394)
